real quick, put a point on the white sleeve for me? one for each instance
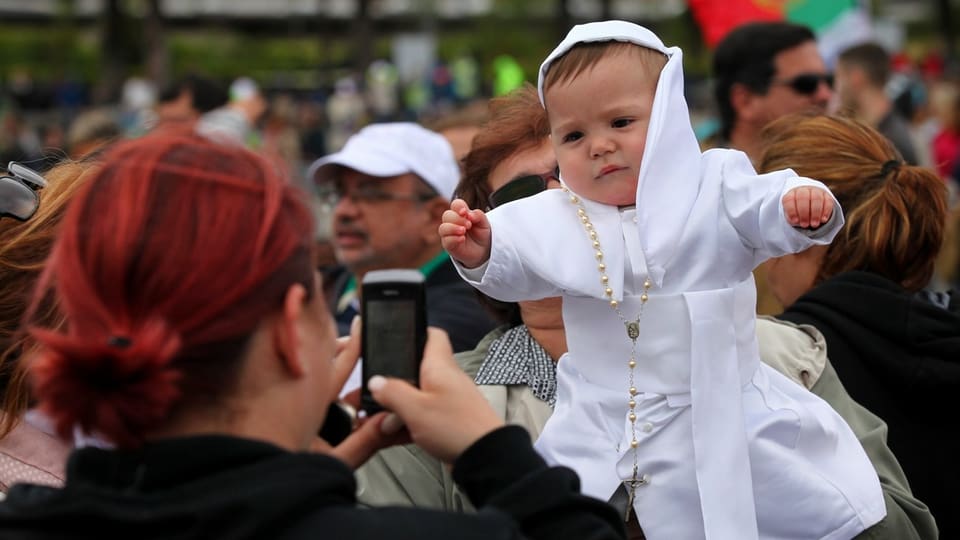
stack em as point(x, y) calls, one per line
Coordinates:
point(508, 274)
point(752, 203)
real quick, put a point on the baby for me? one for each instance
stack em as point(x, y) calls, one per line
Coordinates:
point(662, 399)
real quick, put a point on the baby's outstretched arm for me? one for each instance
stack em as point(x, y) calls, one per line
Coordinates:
point(465, 234)
point(807, 207)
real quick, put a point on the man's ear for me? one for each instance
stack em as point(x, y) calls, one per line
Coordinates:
point(287, 328)
point(745, 102)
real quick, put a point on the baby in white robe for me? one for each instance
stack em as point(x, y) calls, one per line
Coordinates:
point(651, 244)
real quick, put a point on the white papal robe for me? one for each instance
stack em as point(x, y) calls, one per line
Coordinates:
point(730, 448)
point(761, 457)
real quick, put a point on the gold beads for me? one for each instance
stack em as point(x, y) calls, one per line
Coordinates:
point(632, 417)
point(599, 255)
point(644, 297)
point(608, 291)
point(632, 403)
point(602, 267)
point(647, 284)
point(634, 443)
point(633, 391)
point(632, 364)
point(614, 304)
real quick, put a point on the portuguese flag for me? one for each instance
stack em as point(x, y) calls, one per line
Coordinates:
point(837, 23)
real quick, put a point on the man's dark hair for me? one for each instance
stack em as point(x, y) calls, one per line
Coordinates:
point(746, 56)
point(872, 59)
point(207, 94)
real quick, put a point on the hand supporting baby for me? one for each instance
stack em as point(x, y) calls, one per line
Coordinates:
point(465, 234)
point(807, 207)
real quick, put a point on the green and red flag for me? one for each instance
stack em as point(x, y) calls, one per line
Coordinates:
point(837, 23)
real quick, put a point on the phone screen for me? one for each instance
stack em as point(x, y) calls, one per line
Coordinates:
point(393, 350)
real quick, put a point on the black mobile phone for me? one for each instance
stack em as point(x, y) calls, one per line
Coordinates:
point(394, 318)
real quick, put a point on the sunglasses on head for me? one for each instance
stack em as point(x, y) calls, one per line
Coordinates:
point(522, 187)
point(18, 192)
point(807, 83)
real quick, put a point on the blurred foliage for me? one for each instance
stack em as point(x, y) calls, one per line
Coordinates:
point(525, 29)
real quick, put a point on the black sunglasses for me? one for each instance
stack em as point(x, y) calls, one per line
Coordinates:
point(18, 192)
point(522, 187)
point(807, 83)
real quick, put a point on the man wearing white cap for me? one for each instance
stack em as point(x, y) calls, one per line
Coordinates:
point(388, 187)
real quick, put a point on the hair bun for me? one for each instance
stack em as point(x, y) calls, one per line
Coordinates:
point(118, 386)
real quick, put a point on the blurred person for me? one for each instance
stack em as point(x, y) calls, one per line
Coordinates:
point(236, 122)
point(137, 101)
point(90, 131)
point(862, 74)
point(346, 113)
point(313, 142)
point(186, 99)
point(945, 146)
point(514, 366)
point(30, 450)
point(763, 71)
point(675, 419)
point(895, 349)
point(383, 90)
point(460, 125)
point(184, 349)
point(280, 137)
point(388, 187)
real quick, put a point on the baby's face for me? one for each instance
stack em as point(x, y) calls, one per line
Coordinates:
point(598, 127)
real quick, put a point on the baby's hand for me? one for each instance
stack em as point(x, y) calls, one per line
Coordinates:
point(465, 234)
point(807, 207)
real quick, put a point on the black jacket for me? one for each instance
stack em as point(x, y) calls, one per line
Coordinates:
point(898, 354)
point(217, 487)
point(452, 305)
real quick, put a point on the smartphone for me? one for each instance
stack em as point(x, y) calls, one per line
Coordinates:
point(394, 319)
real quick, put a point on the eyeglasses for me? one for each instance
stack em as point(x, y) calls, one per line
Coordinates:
point(522, 187)
point(807, 83)
point(332, 195)
point(18, 192)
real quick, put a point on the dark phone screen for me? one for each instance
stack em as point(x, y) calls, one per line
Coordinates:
point(392, 349)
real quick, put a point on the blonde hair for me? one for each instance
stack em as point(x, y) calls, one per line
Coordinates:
point(582, 57)
point(24, 247)
point(895, 213)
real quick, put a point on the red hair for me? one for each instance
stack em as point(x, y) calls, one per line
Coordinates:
point(167, 260)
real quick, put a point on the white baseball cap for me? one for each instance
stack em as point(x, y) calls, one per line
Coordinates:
point(396, 148)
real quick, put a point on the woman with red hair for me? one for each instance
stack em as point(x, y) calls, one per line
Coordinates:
point(196, 341)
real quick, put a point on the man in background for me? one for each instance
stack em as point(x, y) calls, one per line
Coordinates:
point(388, 188)
point(763, 71)
point(863, 72)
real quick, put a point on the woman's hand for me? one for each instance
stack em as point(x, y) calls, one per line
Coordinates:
point(447, 413)
point(369, 435)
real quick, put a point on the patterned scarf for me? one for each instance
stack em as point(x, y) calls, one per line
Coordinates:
point(517, 358)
